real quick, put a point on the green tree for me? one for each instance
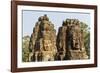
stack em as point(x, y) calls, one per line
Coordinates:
point(86, 31)
point(25, 48)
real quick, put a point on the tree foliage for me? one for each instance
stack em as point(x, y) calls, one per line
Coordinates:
point(25, 49)
point(86, 36)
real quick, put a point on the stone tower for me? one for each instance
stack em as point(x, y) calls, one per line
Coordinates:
point(42, 43)
point(70, 42)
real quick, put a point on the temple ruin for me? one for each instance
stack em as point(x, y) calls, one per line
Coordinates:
point(68, 44)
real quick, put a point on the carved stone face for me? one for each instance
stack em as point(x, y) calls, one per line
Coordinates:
point(47, 45)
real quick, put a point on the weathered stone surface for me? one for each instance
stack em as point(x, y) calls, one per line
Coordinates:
point(70, 42)
point(77, 55)
point(44, 45)
point(43, 41)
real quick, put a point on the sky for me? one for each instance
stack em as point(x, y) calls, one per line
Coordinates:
point(30, 17)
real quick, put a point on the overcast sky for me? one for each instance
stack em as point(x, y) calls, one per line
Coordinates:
point(31, 17)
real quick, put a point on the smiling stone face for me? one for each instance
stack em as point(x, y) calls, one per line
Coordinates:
point(70, 40)
point(43, 39)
